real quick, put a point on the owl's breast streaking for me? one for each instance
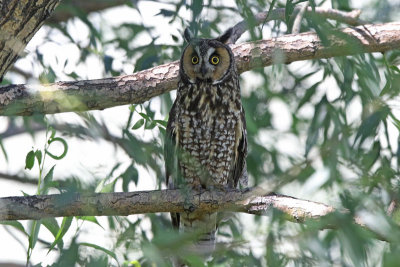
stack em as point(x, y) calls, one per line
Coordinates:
point(208, 126)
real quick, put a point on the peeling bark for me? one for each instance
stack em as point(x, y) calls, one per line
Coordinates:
point(19, 21)
point(142, 86)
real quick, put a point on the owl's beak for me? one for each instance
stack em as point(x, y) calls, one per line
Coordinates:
point(203, 70)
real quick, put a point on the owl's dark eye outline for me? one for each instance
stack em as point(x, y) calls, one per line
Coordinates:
point(214, 60)
point(195, 60)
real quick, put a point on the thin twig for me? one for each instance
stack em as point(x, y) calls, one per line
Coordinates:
point(18, 178)
point(350, 18)
point(299, 18)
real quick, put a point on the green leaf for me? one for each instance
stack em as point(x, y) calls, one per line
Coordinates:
point(150, 125)
point(316, 124)
point(66, 223)
point(108, 60)
point(370, 125)
point(73, 75)
point(47, 76)
point(130, 174)
point(175, 38)
point(52, 225)
point(105, 188)
point(16, 224)
point(166, 13)
point(30, 160)
point(34, 233)
point(108, 188)
point(138, 124)
point(38, 155)
point(162, 130)
point(161, 122)
point(133, 107)
point(108, 252)
point(92, 219)
point(3, 149)
point(307, 96)
point(47, 181)
point(395, 68)
point(145, 116)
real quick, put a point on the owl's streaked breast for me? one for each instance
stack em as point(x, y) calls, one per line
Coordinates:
point(207, 122)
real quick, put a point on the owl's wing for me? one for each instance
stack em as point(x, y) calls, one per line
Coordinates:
point(239, 168)
point(171, 159)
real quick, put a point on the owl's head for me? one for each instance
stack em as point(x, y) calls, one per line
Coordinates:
point(207, 60)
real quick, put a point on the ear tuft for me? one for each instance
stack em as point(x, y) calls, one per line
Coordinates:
point(225, 37)
point(188, 35)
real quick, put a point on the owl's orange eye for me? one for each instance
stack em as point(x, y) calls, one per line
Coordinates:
point(195, 60)
point(214, 60)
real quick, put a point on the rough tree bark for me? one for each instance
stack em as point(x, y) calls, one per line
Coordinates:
point(143, 85)
point(74, 204)
point(139, 202)
point(19, 21)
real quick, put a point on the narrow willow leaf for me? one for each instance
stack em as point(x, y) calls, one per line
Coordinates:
point(92, 219)
point(38, 155)
point(15, 224)
point(108, 252)
point(34, 233)
point(138, 124)
point(66, 223)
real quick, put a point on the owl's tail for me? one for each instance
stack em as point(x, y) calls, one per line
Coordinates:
point(205, 228)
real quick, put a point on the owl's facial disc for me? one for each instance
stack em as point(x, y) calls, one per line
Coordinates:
point(205, 60)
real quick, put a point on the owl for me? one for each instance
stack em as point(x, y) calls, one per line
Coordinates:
point(206, 144)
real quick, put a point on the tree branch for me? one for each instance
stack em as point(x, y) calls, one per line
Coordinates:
point(141, 86)
point(122, 204)
point(75, 204)
point(299, 18)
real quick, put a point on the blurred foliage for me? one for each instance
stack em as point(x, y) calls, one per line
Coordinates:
point(335, 120)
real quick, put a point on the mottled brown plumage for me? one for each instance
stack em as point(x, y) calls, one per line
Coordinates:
point(206, 143)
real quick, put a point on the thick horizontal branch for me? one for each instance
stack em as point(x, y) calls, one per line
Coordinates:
point(74, 204)
point(122, 204)
point(143, 85)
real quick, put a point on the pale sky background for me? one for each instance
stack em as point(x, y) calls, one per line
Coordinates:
point(82, 158)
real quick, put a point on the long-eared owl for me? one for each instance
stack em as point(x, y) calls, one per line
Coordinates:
point(206, 144)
